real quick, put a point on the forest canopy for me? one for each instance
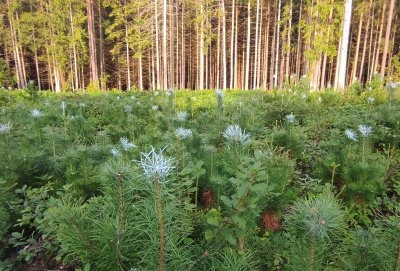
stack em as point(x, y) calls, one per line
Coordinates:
point(70, 45)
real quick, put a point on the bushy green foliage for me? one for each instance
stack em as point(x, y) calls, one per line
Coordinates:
point(119, 228)
point(240, 161)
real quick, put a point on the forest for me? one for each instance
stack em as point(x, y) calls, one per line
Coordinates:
point(204, 135)
point(71, 45)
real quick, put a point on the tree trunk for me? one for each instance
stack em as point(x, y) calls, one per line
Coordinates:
point(75, 88)
point(355, 62)
point(164, 45)
point(344, 46)
point(94, 78)
point(246, 82)
point(387, 38)
point(201, 53)
point(256, 46)
point(378, 46)
point(101, 49)
point(287, 71)
point(128, 61)
point(236, 67)
point(224, 67)
point(232, 45)
point(158, 85)
point(277, 44)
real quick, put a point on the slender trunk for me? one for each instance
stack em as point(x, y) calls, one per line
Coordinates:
point(140, 73)
point(183, 57)
point(266, 54)
point(236, 67)
point(171, 49)
point(246, 82)
point(17, 62)
point(273, 53)
point(344, 45)
point(218, 56)
point(157, 45)
point(298, 54)
point(101, 49)
point(287, 75)
point(151, 56)
point(361, 69)
point(256, 46)
point(387, 38)
point(201, 53)
point(277, 44)
point(224, 78)
point(355, 62)
point(92, 44)
point(164, 45)
point(370, 64)
point(378, 46)
point(259, 58)
point(325, 57)
point(128, 63)
point(74, 50)
point(50, 75)
point(232, 44)
point(37, 69)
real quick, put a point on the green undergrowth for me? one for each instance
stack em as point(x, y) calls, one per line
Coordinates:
point(201, 180)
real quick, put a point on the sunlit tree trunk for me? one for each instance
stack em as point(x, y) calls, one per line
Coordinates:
point(298, 51)
point(341, 83)
point(246, 79)
point(76, 84)
point(256, 46)
point(232, 46)
point(224, 67)
point(379, 40)
point(101, 49)
point(387, 38)
point(128, 59)
point(277, 44)
point(266, 50)
point(201, 53)
point(355, 61)
point(158, 84)
point(92, 44)
point(164, 45)
point(361, 67)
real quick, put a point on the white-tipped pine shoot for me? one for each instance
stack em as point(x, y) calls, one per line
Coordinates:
point(5, 128)
point(370, 100)
point(235, 134)
point(63, 107)
point(351, 134)
point(182, 116)
point(156, 165)
point(126, 145)
point(183, 133)
point(128, 108)
point(116, 153)
point(290, 118)
point(36, 113)
point(219, 93)
point(365, 130)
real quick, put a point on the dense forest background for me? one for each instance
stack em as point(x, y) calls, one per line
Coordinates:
point(70, 45)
